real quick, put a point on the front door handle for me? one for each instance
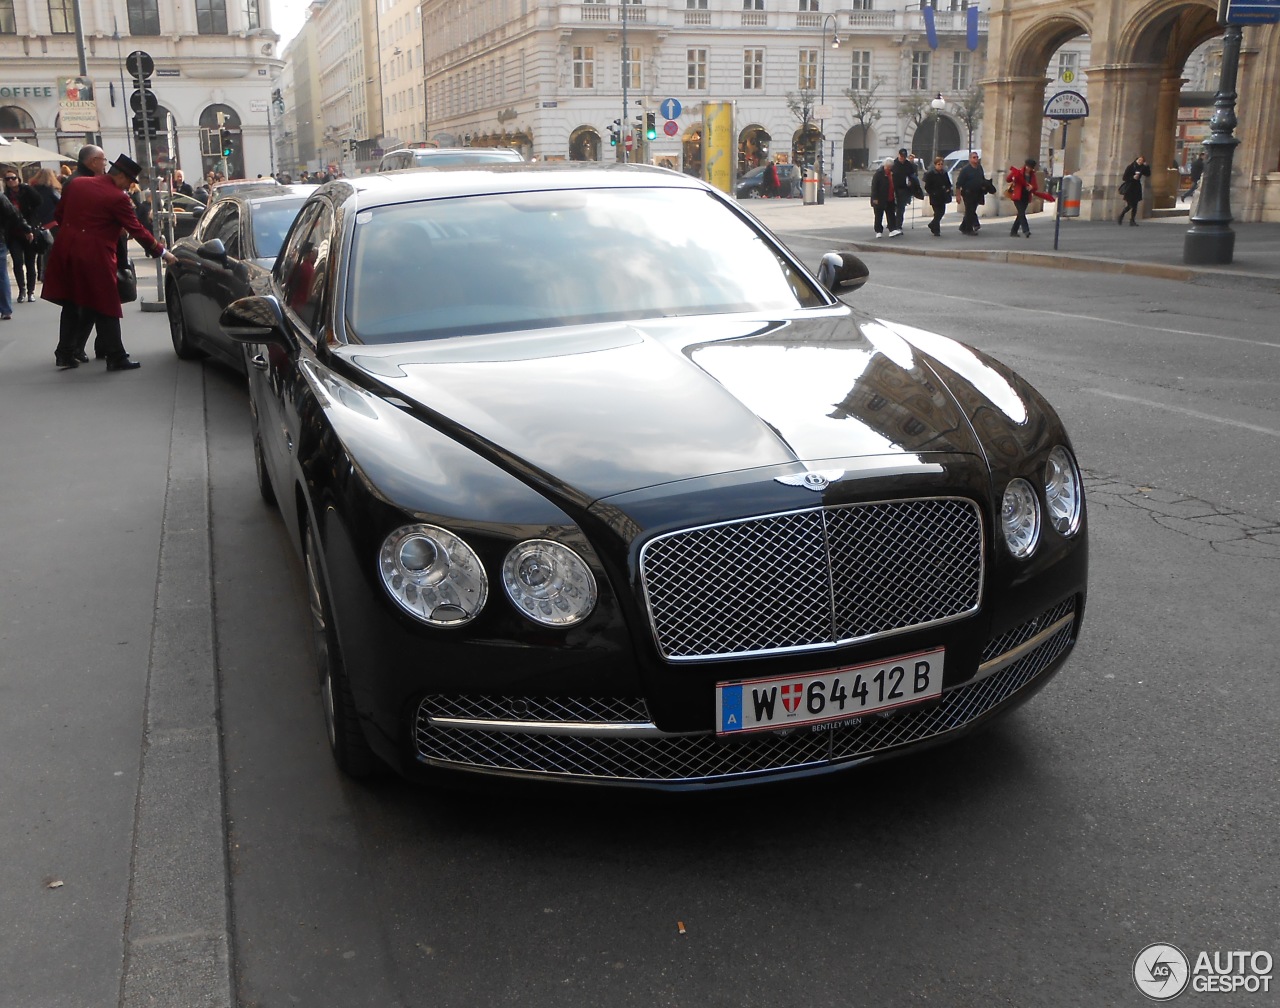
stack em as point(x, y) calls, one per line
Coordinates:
point(258, 361)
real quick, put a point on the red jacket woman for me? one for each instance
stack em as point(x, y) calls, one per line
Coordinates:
point(1021, 185)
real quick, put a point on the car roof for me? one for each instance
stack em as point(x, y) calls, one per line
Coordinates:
point(268, 193)
point(430, 152)
point(392, 187)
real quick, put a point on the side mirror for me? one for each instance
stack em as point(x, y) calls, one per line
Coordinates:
point(255, 319)
point(213, 249)
point(842, 271)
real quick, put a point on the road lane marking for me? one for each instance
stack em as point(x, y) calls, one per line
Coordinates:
point(1186, 412)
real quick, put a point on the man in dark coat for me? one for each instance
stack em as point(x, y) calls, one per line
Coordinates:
point(905, 185)
point(81, 273)
point(90, 161)
point(973, 186)
point(26, 201)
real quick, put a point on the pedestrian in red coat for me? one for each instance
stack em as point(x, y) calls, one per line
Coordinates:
point(81, 272)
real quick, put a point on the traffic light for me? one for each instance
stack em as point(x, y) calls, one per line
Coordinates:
point(224, 143)
point(613, 132)
point(651, 125)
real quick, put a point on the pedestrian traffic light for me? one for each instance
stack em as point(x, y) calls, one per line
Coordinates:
point(651, 125)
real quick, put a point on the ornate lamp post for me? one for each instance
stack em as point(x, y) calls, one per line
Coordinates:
point(937, 104)
point(1211, 239)
point(822, 97)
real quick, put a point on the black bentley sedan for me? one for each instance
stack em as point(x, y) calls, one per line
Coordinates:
point(594, 481)
point(238, 236)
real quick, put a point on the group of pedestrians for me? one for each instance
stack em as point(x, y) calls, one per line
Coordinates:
point(894, 185)
point(89, 214)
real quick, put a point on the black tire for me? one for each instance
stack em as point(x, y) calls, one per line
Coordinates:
point(346, 739)
point(182, 345)
point(265, 488)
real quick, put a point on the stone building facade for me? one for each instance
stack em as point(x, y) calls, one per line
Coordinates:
point(209, 56)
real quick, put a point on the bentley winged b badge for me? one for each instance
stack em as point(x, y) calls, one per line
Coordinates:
point(813, 479)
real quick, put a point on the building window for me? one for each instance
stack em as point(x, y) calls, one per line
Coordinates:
point(863, 5)
point(808, 6)
point(62, 17)
point(752, 69)
point(753, 5)
point(808, 80)
point(860, 72)
point(144, 17)
point(633, 60)
point(251, 12)
point(961, 71)
point(695, 4)
point(584, 66)
point(696, 69)
point(1068, 63)
point(211, 17)
point(8, 25)
point(920, 69)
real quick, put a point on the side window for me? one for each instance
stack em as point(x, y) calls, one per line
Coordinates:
point(229, 229)
point(211, 225)
point(304, 264)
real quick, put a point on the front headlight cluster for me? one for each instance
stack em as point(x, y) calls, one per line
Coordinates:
point(437, 578)
point(1020, 519)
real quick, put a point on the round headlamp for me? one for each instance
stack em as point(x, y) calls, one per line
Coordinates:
point(1020, 518)
point(1063, 491)
point(549, 583)
point(433, 575)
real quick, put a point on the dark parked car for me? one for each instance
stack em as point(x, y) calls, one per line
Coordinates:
point(237, 238)
point(186, 213)
point(752, 183)
point(594, 481)
point(439, 157)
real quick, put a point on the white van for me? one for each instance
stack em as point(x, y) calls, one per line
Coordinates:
point(956, 160)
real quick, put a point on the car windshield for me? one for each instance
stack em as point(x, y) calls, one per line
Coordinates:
point(510, 261)
point(271, 220)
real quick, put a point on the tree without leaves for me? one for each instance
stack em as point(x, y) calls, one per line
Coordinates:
point(969, 110)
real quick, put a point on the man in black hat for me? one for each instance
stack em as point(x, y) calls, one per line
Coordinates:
point(81, 272)
point(905, 183)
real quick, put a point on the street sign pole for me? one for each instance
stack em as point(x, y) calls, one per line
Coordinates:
point(1063, 107)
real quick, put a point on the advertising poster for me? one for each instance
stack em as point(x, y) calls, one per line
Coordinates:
point(719, 150)
point(77, 110)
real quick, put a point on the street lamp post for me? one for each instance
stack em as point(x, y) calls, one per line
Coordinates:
point(938, 104)
point(822, 97)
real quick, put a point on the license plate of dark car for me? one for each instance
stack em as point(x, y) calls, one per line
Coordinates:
point(790, 701)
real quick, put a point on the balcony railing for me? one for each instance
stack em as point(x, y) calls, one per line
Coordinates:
point(852, 20)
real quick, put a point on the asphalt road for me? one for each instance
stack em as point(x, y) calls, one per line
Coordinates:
point(1132, 801)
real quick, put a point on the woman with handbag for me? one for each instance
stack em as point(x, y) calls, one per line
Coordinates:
point(26, 201)
point(1021, 185)
point(82, 272)
point(48, 187)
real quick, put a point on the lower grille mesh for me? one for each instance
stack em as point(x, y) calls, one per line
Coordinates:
point(689, 758)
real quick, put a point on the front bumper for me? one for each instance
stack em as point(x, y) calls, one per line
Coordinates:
point(613, 741)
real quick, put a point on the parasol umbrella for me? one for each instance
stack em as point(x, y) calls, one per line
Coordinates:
point(21, 152)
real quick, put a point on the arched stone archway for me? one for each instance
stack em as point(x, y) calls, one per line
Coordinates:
point(804, 145)
point(231, 123)
point(691, 150)
point(1139, 49)
point(753, 147)
point(17, 123)
point(584, 144)
point(928, 141)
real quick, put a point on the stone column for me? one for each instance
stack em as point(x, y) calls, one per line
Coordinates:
point(1164, 182)
point(1120, 127)
point(1011, 128)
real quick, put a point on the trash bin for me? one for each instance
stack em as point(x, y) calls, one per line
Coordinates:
point(810, 186)
point(1069, 189)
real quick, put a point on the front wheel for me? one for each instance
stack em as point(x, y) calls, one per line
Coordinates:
point(346, 739)
point(182, 344)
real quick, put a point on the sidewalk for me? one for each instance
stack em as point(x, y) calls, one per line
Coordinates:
point(1153, 249)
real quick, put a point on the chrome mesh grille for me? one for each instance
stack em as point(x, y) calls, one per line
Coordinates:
point(813, 578)
point(704, 757)
point(582, 710)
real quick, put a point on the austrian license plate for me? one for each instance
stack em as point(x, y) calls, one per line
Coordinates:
point(789, 701)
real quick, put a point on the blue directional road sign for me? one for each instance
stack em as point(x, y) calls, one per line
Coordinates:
point(1245, 12)
point(670, 108)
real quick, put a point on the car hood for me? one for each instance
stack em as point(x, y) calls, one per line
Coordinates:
point(613, 408)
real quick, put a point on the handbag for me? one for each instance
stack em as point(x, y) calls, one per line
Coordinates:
point(41, 240)
point(126, 282)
